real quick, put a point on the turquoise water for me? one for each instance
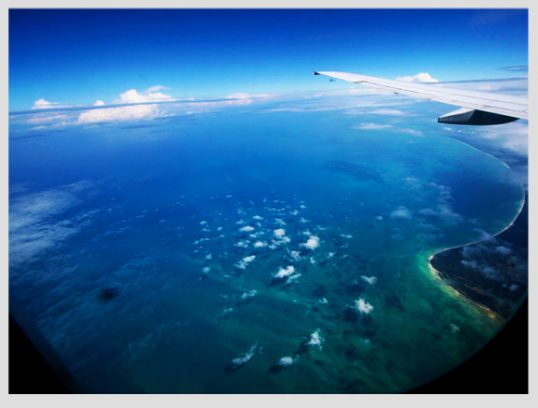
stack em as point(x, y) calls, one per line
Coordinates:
point(146, 254)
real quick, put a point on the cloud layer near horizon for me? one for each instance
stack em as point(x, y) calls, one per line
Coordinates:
point(378, 111)
point(131, 105)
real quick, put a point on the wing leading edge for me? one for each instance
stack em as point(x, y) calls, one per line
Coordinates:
point(477, 108)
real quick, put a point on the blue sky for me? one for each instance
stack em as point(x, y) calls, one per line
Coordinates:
point(80, 56)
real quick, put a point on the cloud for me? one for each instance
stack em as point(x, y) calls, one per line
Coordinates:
point(311, 243)
point(156, 88)
point(284, 272)
point(260, 244)
point(503, 250)
point(512, 137)
point(240, 361)
point(363, 306)
point(33, 227)
point(387, 112)
point(316, 339)
point(151, 94)
point(119, 114)
point(243, 263)
point(385, 126)
point(401, 212)
point(44, 104)
point(285, 361)
point(422, 77)
point(443, 206)
point(248, 295)
point(372, 126)
point(48, 118)
point(99, 103)
point(516, 68)
point(371, 280)
point(409, 131)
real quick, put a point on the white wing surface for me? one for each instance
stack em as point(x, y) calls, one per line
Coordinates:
point(477, 108)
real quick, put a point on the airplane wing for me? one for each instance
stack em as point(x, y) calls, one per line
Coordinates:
point(477, 108)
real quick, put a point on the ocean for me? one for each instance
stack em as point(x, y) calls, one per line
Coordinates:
point(251, 249)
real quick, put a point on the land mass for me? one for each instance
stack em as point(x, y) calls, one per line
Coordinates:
point(492, 272)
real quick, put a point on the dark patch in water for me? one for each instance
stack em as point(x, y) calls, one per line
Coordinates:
point(303, 347)
point(351, 353)
point(357, 171)
point(320, 291)
point(350, 315)
point(394, 301)
point(367, 326)
point(108, 294)
point(319, 362)
point(355, 287)
point(230, 368)
point(354, 386)
point(275, 369)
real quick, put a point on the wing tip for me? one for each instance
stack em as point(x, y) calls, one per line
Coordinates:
point(316, 73)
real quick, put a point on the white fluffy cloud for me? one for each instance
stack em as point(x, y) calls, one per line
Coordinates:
point(42, 103)
point(423, 77)
point(311, 243)
point(285, 272)
point(118, 113)
point(363, 306)
point(316, 339)
point(152, 94)
point(243, 263)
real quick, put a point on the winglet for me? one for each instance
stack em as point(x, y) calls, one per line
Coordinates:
point(316, 73)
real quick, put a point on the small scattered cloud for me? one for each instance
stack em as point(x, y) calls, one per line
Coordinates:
point(385, 126)
point(372, 126)
point(285, 361)
point(371, 280)
point(99, 103)
point(243, 98)
point(422, 77)
point(42, 103)
point(240, 361)
point(316, 339)
point(243, 263)
point(516, 68)
point(283, 273)
point(311, 243)
point(387, 112)
point(409, 131)
point(363, 306)
point(401, 212)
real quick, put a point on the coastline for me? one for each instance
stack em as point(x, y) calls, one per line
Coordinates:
point(490, 296)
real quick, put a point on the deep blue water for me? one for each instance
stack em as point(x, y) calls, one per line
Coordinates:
point(129, 252)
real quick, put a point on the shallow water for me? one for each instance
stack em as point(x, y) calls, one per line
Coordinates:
point(125, 244)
